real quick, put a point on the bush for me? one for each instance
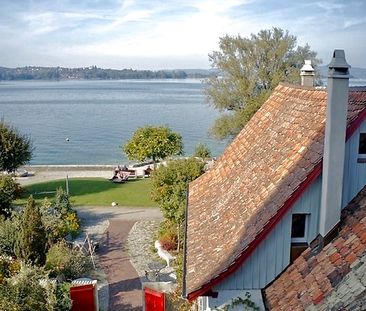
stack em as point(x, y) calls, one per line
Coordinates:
point(61, 260)
point(9, 229)
point(63, 206)
point(202, 151)
point(25, 292)
point(9, 191)
point(32, 238)
point(62, 202)
point(8, 268)
point(59, 219)
point(55, 226)
point(167, 235)
point(73, 224)
point(63, 300)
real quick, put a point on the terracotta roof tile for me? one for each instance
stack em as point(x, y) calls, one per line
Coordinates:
point(338, 272)
point(259, 171)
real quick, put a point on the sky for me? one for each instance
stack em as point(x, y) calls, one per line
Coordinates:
point(167, 34)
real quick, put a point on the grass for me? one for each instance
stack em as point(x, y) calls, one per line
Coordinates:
point(95, 191)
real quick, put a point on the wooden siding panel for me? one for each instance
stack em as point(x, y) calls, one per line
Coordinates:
point(355, 173)
point(273, 254)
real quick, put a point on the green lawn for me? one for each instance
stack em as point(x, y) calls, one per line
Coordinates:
point(95, 191)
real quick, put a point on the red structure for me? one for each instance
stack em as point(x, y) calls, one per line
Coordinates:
point(154, 301)
point(83, 298)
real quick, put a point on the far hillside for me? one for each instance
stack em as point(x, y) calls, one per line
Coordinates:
point(356, 72)
point(95, 73)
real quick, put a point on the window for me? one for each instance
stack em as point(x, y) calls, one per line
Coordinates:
point(299, 228)
point(362, 144)
point(299, 235)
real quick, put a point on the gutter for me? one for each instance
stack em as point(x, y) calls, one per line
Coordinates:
point(184, 289)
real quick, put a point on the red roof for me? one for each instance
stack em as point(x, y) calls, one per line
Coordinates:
point(232, 207)
point(334, 277)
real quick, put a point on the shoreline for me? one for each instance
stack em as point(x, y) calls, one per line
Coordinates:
point(42, 173)
point(62, 167)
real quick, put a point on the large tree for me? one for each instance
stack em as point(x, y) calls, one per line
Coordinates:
point(153, 142)
point(15, 148)
point(169, 188)
point(249, 69)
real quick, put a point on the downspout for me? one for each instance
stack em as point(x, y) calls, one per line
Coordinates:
point(184, 289)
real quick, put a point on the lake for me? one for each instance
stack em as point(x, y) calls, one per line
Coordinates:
point(99, 117)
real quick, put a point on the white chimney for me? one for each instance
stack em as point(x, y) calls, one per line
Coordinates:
point(307, 74)
point(334, 143)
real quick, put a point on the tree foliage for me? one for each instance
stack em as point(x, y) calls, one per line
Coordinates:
point(169, 186)
point(202, 151)
point(9, 190)
point(154, 143)
point(32, 239)
point(250, 69)
point(15, 148)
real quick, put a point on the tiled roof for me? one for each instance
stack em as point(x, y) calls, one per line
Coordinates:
point(230, 205)
point(333, 279)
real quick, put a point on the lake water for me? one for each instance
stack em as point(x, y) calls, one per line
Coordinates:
point(100, 116)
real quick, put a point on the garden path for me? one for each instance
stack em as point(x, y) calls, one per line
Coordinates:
point(124, 283)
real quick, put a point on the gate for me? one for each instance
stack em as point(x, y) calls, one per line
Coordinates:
point(82, 298)
point(154, 301)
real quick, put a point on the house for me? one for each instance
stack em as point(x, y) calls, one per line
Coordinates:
point(278, 188)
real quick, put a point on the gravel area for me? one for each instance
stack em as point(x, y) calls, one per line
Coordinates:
point(140, 244)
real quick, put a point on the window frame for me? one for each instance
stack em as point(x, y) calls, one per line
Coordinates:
point(361, 155)
point(303, 239)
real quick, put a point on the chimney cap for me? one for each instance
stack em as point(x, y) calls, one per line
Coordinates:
point(339, 60)
point(307, 66)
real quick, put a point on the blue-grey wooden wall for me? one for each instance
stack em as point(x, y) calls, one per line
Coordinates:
point(272, 256)
point(355, 173)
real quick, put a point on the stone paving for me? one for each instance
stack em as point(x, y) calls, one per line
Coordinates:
point(140, 243)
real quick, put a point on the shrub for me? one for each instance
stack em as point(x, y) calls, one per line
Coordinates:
point(31, 243)
point(9, 229)
point(168, 235)
point(63, 260)
point(8, 268)
point(9, 190)
point(202, 151)
point(24, 291)
point(59, 219)
point(63, 300)
point(55, 226)
point(62, 206)
point(62, 203)
point(73, 224)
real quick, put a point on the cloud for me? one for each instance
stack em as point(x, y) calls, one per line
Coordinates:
point(68, 31)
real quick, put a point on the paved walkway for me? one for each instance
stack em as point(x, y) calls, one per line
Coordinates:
point(124, 282)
